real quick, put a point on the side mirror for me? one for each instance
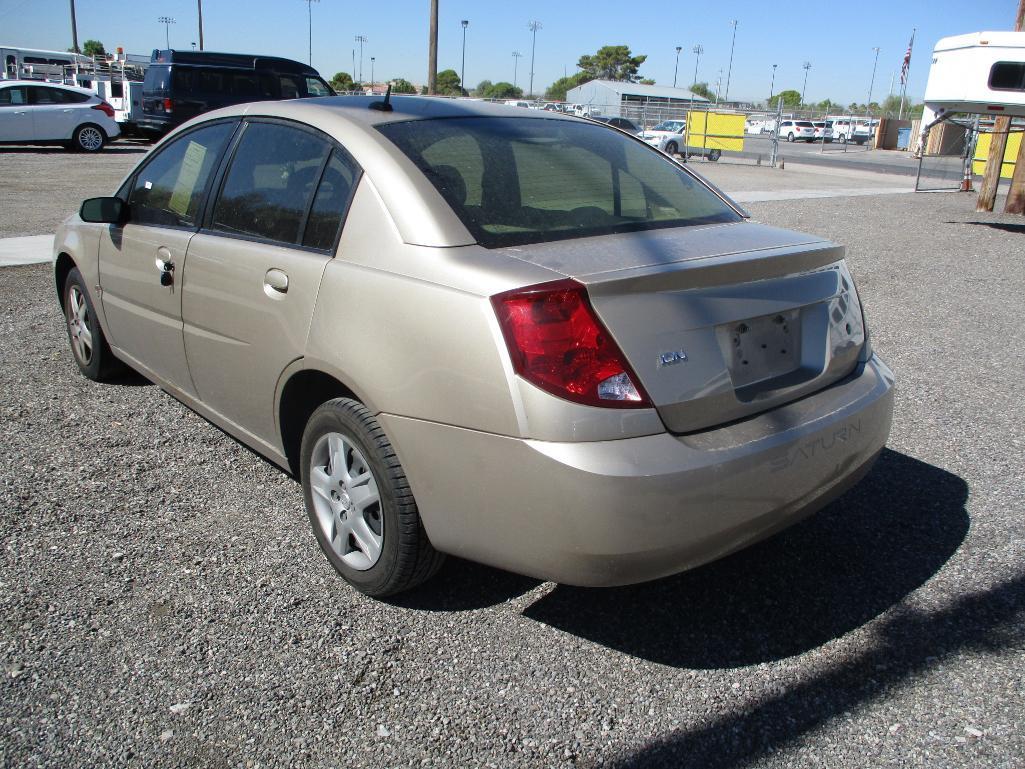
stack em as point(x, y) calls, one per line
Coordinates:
point(104, 211)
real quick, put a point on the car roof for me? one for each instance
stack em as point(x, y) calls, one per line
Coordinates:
point(75, 89)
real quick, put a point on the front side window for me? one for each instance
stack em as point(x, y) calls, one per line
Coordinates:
point(168, 190)
point(1007, 76)
point(271, 182)
point(513, 180)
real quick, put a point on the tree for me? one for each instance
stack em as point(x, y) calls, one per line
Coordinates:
point(891, 104)
point(557, 90)
point(94, 48)
point(501, 90)
point(482, 87)
point(702, 89)
point(647, 81)
point(448, 83)
point(828, 105)
point(611, 62)
point(791, 98)
point(342, 81)
point(400, 85)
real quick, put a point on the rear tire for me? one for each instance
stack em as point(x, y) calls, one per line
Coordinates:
point(359, 502)
point(88, 138)
point(88, 344)
point(714, 155)
point(790, 137)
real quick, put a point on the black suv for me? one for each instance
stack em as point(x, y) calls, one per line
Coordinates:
point(182, 84)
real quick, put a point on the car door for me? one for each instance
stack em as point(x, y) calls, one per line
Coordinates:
point(15, 118)
point(141, 261)
point(254, 269)
point(52, 118)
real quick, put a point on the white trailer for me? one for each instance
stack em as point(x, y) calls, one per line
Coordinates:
point(978, 73)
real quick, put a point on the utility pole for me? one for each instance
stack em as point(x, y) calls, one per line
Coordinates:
point(772, 84)
point(718, 86)
point(516, 65)
point(729, 72)
point(201, 24)
point(1015, 203)
point(533, 26)
point(372, 58)
point(804, 88)
point(677, 67)
point(432, 51)
point(74, 30)
point(698, 50)
point(462, 70)
point(872, 82)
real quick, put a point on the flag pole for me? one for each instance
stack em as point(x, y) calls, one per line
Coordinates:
point(904, 74)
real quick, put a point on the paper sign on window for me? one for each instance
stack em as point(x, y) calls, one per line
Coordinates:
point(187, 178)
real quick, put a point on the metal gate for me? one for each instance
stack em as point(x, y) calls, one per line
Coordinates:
point(945, 163)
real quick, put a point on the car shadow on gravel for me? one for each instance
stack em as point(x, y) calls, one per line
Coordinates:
point(906, 646)
point(792, 593)
point(1014, 227)
point(465, 586)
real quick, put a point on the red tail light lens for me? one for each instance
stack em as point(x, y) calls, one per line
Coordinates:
point(168, 106)
point(557, 343)
point(105, 108)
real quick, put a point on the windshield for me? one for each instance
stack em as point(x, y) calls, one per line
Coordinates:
point(674, 126)
point(518, 180)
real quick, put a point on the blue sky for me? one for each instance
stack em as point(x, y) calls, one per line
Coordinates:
point(837, 38)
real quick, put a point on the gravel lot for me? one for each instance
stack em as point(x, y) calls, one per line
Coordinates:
point(163, 602)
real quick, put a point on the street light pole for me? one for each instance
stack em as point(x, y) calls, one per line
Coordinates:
point(772, 85)
point(677, 67)
point(200, 2)
point(698, 50)
point(533, 26)
point(74, 29)
point(872, 82)
point(516, 65)
point(729, 72)
point(372, 59)
point(167, 21)
point(361, 39)
point(804, 88)
point(309, 9)
point(462, 71)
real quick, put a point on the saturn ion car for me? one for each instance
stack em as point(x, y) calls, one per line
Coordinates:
point(507, 335)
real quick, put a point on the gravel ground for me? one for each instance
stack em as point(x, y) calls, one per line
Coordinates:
point(163, 602)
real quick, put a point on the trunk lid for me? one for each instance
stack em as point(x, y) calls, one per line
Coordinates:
point(718, 322)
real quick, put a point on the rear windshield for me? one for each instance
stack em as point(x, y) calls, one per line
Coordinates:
point(517, 180)
point(804, 124)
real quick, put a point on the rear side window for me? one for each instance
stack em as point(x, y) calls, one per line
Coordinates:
point(271, 182)
point(12, 97)
point(331, 201)
point(289, 87)
point(1007, 76)
point(317, 87)
point(169, 189)
point(533, 180)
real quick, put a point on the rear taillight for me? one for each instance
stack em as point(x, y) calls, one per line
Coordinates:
point(557, 343)
point(105, 108)
point(168, 106)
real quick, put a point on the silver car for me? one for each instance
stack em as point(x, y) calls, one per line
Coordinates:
point(512, 336)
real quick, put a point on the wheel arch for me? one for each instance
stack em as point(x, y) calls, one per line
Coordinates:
point(301, 394)
point(63, 265)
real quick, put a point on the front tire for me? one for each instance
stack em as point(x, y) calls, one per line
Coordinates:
point(790, 137)
point(88, 344)
point(88, 138)
point(714, 155)
point(672, 148)
point(359, 502)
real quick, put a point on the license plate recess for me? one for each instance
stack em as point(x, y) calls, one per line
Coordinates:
point(762, 348)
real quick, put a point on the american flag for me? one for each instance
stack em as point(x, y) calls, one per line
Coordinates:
point(907, 61)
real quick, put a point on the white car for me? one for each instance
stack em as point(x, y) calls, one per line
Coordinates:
point(823, 130)
point(667, 136)
point(34, 112)
point(797, 130)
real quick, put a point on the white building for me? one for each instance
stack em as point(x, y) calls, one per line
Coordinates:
point(615, 98)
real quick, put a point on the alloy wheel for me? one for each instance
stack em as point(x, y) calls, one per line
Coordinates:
point(80, 325)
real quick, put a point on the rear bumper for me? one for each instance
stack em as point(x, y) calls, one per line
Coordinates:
point(617, 512)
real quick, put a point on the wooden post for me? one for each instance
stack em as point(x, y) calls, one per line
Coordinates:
point(994, 164)
point(1015, 203)
point(432, 50)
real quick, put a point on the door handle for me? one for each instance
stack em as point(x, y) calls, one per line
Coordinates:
point(165, 266)
point(277, 280)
